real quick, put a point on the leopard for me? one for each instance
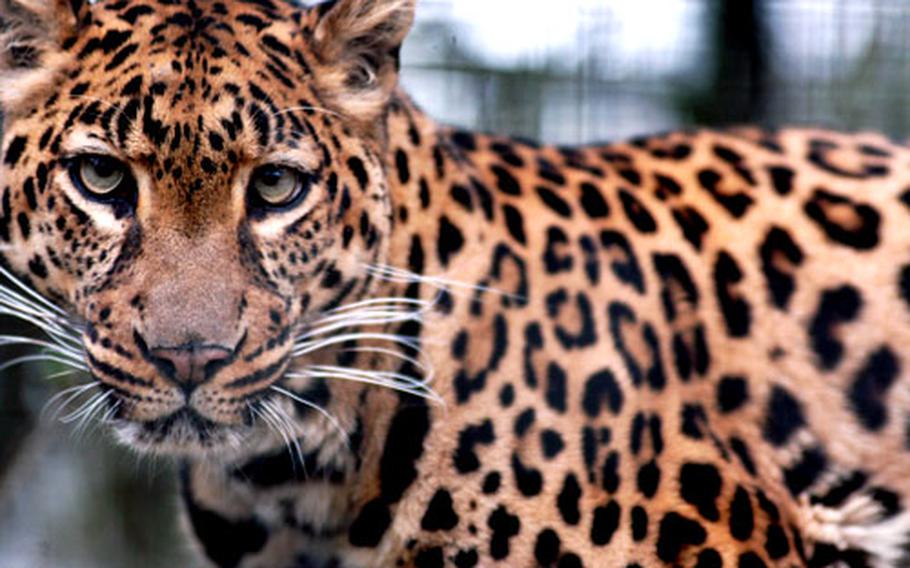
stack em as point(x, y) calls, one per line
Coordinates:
point(367, 339)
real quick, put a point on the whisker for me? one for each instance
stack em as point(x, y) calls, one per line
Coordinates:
point(258, 413)
point(338, 322)
point(71, 393)
point(43, 357)
point(378, 313)
point(270, 423)
point(391, 353)
point(315, 345)
point(60, 336)
point(268, 414)
point(342, 326)
point(111, 412)
point(69, 416)
point(401, 276)
point(379, 301)
point(310, 404)
point(64, 373)
point(24, 309)
point(288, 423)
point(88, 417)
point(32, 293)
point(389, 375)
point(85, 408)
point(62, 343)
point(270, 420)
point(23, 340)
point(422, 391)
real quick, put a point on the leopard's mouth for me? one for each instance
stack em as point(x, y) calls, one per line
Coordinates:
point(184, 423)
point(165, 416)
point(184, 433)
point(206, 425)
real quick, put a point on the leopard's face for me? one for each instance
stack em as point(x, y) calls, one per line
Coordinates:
point(199, 185)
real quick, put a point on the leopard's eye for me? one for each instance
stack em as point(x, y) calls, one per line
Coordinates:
point(277, 186)
point(100, 175)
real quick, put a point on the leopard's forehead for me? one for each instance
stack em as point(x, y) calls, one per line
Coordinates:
point(214, 41)
point(190, 93)
point(228, 32)
point(186, 63)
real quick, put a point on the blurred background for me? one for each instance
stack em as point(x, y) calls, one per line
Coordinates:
point(572, 71)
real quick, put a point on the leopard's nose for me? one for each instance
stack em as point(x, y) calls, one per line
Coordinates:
point(192, 364)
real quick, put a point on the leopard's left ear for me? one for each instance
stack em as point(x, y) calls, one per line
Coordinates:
point(33, 38)
point(356, 43)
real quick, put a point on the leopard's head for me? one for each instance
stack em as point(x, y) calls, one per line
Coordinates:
point(200, 186)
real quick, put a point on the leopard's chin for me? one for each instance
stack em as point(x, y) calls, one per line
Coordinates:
point(186, 434)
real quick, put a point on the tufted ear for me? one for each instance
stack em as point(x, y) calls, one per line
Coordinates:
point(357, 43)
point(33, 34)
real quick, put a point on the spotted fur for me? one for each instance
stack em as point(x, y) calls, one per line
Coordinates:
point(681, 350)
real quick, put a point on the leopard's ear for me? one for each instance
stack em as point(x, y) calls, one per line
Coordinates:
point(33, 39)
point(356, 43)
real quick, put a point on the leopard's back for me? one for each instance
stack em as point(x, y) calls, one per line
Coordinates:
point(706, 360)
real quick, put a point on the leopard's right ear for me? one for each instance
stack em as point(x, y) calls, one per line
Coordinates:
point(357, 43)
point(34, 35)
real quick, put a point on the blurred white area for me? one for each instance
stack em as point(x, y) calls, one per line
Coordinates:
point(808, 32)
point(78, 502)
point(455, 46)
point(545, 33)
point(590, 70)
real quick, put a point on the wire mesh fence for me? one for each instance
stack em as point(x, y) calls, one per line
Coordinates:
point(571, 72)
point(598, 69)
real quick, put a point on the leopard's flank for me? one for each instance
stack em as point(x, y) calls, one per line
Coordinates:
point(371, 340)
